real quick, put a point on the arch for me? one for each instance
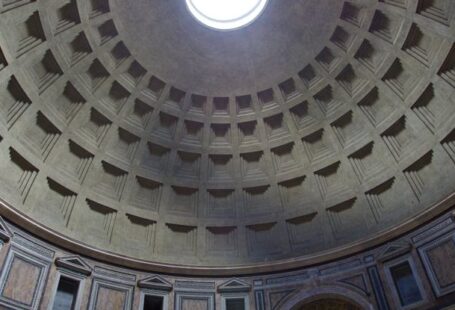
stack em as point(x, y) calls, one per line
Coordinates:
point(338, 292)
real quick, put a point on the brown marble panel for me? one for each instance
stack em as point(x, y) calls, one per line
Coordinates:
point(194, 304)
point(442, 259)
point(22, 281)
point(110, 299)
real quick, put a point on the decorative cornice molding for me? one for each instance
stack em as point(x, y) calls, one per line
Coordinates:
point(156, 283)
point(394, 249)
point(50, 235)
point(5, 233)
point(74, 263)
point(234, 286)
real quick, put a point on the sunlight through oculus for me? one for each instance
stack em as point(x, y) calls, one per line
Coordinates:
point(226, 14)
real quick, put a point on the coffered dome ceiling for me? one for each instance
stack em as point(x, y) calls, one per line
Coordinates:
point(128, 130)
point(215, 63)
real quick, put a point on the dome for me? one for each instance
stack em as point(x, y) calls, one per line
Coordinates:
point(132, 132)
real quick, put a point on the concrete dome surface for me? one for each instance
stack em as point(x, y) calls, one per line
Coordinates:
point(130, 131)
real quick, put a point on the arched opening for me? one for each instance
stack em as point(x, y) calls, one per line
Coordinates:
point(328, 304)
point(326, 297)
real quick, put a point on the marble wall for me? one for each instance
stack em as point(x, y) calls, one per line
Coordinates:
point(32, 268)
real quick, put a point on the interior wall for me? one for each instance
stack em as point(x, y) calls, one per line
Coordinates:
point(31, 269)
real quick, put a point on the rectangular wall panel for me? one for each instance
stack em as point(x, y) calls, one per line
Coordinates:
point(439, 260)
point(106, 295)
point(22, 279)
point(194, 304)
point(194, 301)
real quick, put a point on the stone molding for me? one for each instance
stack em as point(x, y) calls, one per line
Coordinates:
point(74, 263)
point(307, 295)
point(44, 232)
point(156, 283)
point(234, 285)
point(5, 233)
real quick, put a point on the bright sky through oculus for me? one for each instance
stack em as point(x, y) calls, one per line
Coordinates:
point(226, 14)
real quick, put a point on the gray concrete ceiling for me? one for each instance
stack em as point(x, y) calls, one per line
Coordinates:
point(168, 41)
point(129, 127)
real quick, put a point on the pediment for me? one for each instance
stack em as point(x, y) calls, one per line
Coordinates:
point(234, 285)
point(155, 282)
point(393, 250)
point(74, 263)
point(5, 233)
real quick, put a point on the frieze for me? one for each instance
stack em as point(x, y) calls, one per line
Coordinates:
point(32, 246)
point(432, 231)
point(340, 267)
point(289, 279)
point(114, 274)
point(196, 285)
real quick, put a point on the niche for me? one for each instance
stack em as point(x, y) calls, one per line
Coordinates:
point(152, 302)
point(66, 295)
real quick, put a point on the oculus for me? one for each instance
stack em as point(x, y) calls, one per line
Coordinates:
point(226, 14)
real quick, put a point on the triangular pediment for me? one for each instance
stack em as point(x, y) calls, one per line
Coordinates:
point(393, 250)
point(5, 233)
point(155, 282)
point(74, 263)
point(234, 285)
